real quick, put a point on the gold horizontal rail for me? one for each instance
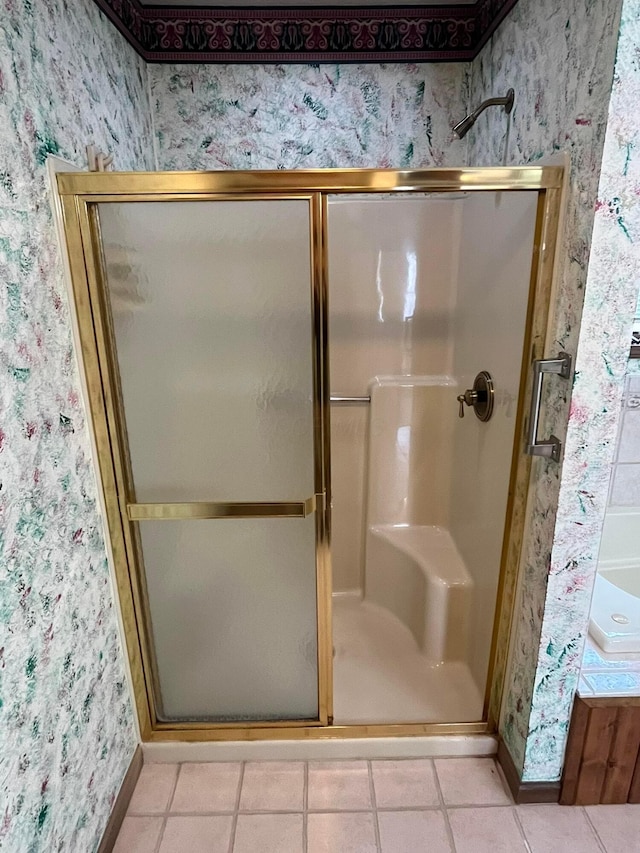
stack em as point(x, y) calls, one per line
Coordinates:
point(187, 731)
point(194, 184)
point(203, 510)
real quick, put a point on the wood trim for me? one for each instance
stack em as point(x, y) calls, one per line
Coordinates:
point(622, 758)
point(596, 746)
point(602, 763)
point(573, 757)
point(121, 803)
point(524, 792)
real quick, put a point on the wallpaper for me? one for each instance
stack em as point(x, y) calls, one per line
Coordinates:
point(559, 59)
point(307, 116)
point(66, 721)
point(609, 305)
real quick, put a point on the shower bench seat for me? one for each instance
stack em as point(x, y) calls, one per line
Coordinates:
point(417, 572)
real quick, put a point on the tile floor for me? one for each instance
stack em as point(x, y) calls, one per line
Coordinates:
point(406, 806)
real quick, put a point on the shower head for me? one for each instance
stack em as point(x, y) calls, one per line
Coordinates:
point(463, 127)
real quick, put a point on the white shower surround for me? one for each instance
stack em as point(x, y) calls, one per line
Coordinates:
point(410, 299)
point(412, 566)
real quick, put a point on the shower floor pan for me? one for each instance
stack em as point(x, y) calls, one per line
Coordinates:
point(382, 676)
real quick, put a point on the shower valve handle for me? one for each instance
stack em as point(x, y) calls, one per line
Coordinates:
point(469, 397)
point(480, 397)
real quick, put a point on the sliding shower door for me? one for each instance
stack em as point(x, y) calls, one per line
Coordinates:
point(211, 327)
point(201, 300)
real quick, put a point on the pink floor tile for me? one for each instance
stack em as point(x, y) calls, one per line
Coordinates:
point(617, 826)
point(557, 829)
point(339, 785)
point(154, 789)
point(413, 832)
point(209, 787)
point(404, 783)
point(197, 834)
point(471, 781)
point(269, 833)
point(139, 835)
point(273, 785)
point(341, 833)
point(492, 830)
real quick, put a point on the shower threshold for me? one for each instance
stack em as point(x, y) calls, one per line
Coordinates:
point(381, 676)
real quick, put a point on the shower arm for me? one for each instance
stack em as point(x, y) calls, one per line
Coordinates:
point(490, 102)
point(463, 127)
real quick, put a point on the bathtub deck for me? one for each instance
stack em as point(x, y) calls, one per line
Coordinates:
point(380, 675)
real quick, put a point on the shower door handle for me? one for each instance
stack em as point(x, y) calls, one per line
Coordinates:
point(189, 511)
point(550, 447)
point(341, 400)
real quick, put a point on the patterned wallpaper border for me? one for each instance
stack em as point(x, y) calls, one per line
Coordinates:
point(323, 34)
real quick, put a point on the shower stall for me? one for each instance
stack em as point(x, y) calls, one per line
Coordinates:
point(309, 395)
point(425, 292)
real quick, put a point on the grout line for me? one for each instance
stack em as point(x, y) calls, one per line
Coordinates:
point(168, 808)
point(161, 836)
point(593, 829)
point(516, 817)
point(372, 792)
point(239, 812)
point(503, 780)
point(437, 808)
point(234, 821)
point(175, 787)
point(456, 807)
point(443, 807)
point(408, 808)
point(326, 810)
point(305, 809)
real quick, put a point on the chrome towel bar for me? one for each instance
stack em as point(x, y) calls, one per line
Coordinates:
point(350, 401)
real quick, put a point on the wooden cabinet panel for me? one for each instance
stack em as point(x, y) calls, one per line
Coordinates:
point(602, 763)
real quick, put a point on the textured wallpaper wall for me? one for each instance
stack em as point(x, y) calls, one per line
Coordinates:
point(307, 116)
point(66, 722)
point(609, 306)
point(559, 58)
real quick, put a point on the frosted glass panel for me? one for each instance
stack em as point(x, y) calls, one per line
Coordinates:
point(233, 608)
point(211, 306)
point(211, 303)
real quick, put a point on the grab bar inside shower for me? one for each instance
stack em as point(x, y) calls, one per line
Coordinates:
point(338, 400)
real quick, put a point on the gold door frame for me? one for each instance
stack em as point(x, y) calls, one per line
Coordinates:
point(79, 193)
